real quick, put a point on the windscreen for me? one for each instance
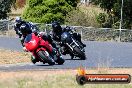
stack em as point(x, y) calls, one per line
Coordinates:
point(28, 38)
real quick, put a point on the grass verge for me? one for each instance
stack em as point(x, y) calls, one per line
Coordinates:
point(54, 79)
point(13, 57)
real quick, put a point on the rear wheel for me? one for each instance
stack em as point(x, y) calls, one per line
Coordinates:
point(83, 57)
point(80, 53)
point(44, 55)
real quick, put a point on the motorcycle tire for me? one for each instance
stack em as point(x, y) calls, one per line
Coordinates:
point(60, 61)
point(45, 58)
point(80, 53)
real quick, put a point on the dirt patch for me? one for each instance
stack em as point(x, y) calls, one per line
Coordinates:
point(12, 57)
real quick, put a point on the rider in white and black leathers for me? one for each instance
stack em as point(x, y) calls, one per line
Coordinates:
point(23, 28)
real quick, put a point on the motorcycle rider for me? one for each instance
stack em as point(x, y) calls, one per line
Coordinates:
point(20, 24)
point(58, 30)
point(23, 28)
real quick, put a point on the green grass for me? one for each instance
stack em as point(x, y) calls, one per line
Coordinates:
point(91, 12)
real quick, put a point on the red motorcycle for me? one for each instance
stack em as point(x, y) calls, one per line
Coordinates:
point(41, 49)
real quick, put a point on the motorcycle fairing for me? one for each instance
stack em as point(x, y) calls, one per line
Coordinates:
point(31, 42)
point(44, 45)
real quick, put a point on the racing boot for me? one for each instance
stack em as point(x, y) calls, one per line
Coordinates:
point(54, 52)
point(33, 59)
point(60, 59)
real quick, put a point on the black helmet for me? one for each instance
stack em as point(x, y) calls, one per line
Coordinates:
point(56, 27)
point(25, 29)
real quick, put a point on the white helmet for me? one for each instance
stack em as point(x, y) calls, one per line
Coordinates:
point(18, 19)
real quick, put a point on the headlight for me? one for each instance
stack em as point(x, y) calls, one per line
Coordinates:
point(64, 36)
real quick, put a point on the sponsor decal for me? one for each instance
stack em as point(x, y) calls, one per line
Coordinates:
point(83, 78)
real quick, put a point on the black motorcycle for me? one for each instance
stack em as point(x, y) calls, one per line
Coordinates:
point(72, 46)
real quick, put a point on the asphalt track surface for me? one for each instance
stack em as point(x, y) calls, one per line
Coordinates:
point(99, 54)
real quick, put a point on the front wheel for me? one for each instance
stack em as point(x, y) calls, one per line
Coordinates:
point(83, 57)
point(45, 57)
point(80, 53)
point(60, 61)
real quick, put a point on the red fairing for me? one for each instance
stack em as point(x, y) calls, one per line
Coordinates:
point(33, 44)
point(45, 46)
